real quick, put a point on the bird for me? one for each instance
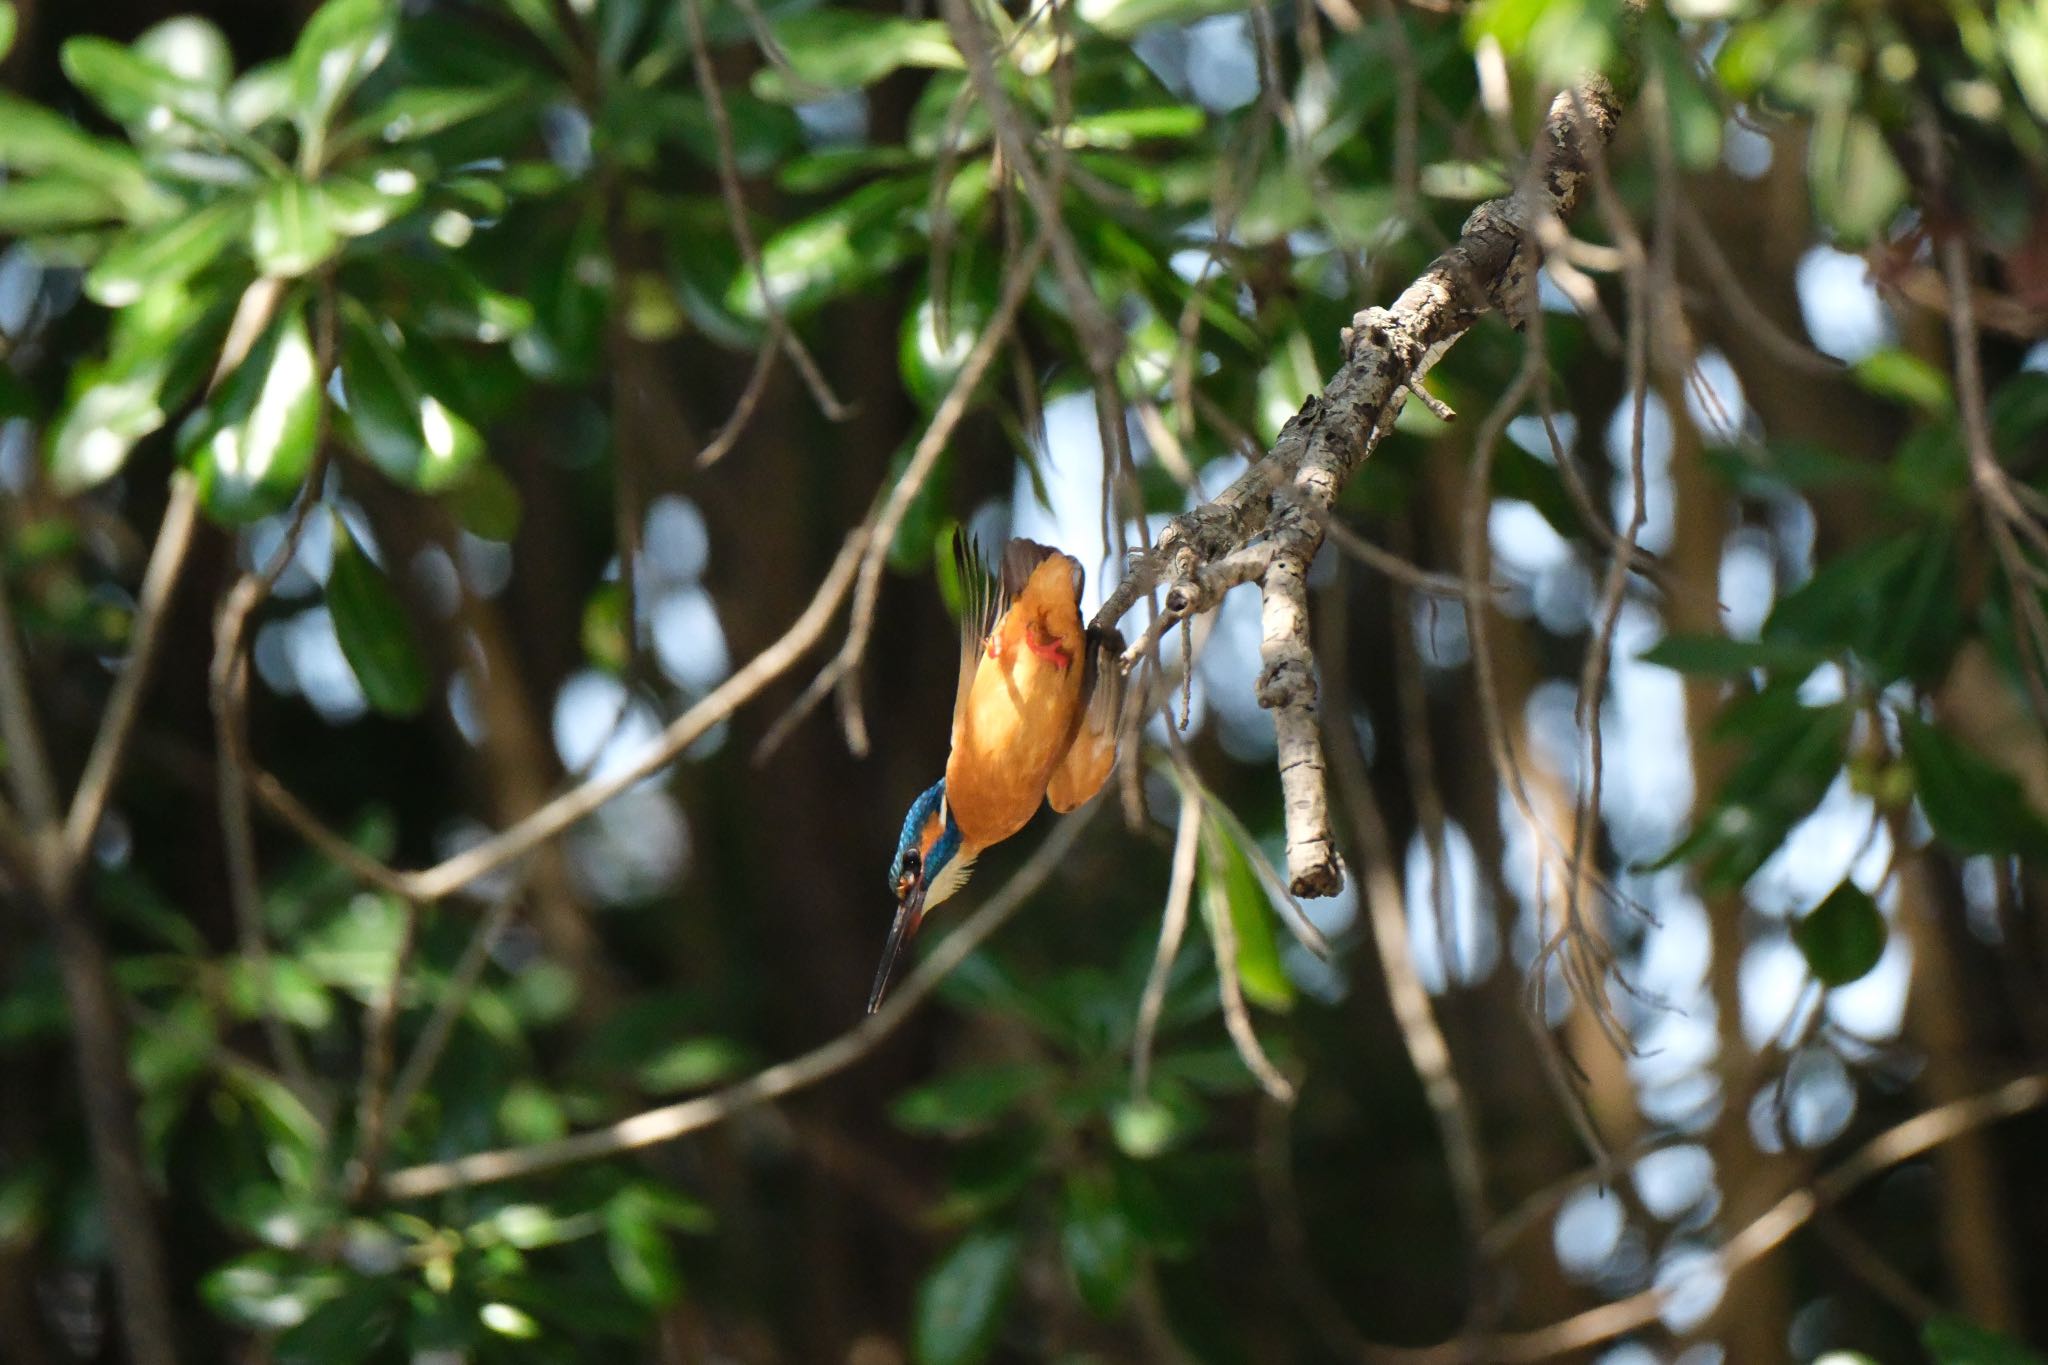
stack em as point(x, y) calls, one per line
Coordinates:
point(1035, 719)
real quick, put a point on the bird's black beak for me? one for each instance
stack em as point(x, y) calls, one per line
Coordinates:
point(909, 915)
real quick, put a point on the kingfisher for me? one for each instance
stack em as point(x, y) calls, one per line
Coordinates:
point(1035, 718)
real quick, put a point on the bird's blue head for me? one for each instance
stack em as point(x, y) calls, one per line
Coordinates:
point(929, 867)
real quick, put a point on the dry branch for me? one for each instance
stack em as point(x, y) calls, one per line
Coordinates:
point(1268, 525)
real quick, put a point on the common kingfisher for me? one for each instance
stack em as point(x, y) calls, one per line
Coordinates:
point(1034, 719)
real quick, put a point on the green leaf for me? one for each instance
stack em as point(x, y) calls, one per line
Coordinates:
point(407, 432)
point(167, 254)
point(508, 1321)
point(1124, 18)
point(350, 1328)
point(1974, 805)
point(1117, 129)
point(857, 240)
point(9, 22)
point(839, 49)
point(253, 443)
point(691, 1064)
point(341, 43)
point(268, 1291)
point(638, 1246)
point(970, 1100)
point(1098, 1243)
point(961, 1303)
point(417, 111)
point(55, 203)
point(1898, 374)
point(33, 139)
point(373, 630)
point(1720, 655)
point(115, 403)
point(1843, 937)
point(292, 230)
point(487, 503)
point(1229, 886)
point(2023, 40)
point(1793, 755)
point(1857, 185)
point(1890, 600)
point(190, 48)
point(367, 196)
point(135, 90)
point(1958, 1341)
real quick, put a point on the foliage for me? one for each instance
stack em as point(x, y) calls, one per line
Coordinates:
point(444, 299)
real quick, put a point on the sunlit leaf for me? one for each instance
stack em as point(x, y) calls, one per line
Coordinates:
point(54, 203)
point(418, 111)
point(167, 254)
point(342, 42)
point(1124, 18)
point(832, 253)
point(253, 443)
point(961, 1303)
point(33, 139)
point(691, 1064)
point(508, 1321)
point(136, 90)
point(1898, 374)
point(1857, 185)
point(116, 402)
point(291, 230)
point(371, 624)
point(190, 48)
point(269, 1291)
point(838, 49)
point(407, 432)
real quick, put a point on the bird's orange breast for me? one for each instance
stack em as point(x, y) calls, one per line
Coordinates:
point(1019, 715)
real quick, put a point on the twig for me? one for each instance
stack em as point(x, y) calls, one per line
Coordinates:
point(735, 425)
point(736, 217)
point(579, 801)
point(1173, 927)
point(1237, 1018)
point(28, 765)
point(673, 1121)
point(924, 458)
point(419, 1064)
point(124, 704)
point(373, 1114)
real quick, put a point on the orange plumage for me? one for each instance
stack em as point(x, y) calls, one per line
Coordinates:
point(1034, 719)
point(1015, 715)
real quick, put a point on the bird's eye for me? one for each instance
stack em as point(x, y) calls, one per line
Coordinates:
point(912, 860)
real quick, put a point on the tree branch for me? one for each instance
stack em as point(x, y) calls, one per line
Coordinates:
point(1283, 501)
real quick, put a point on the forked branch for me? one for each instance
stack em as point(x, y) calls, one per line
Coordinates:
point(1268, 525)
